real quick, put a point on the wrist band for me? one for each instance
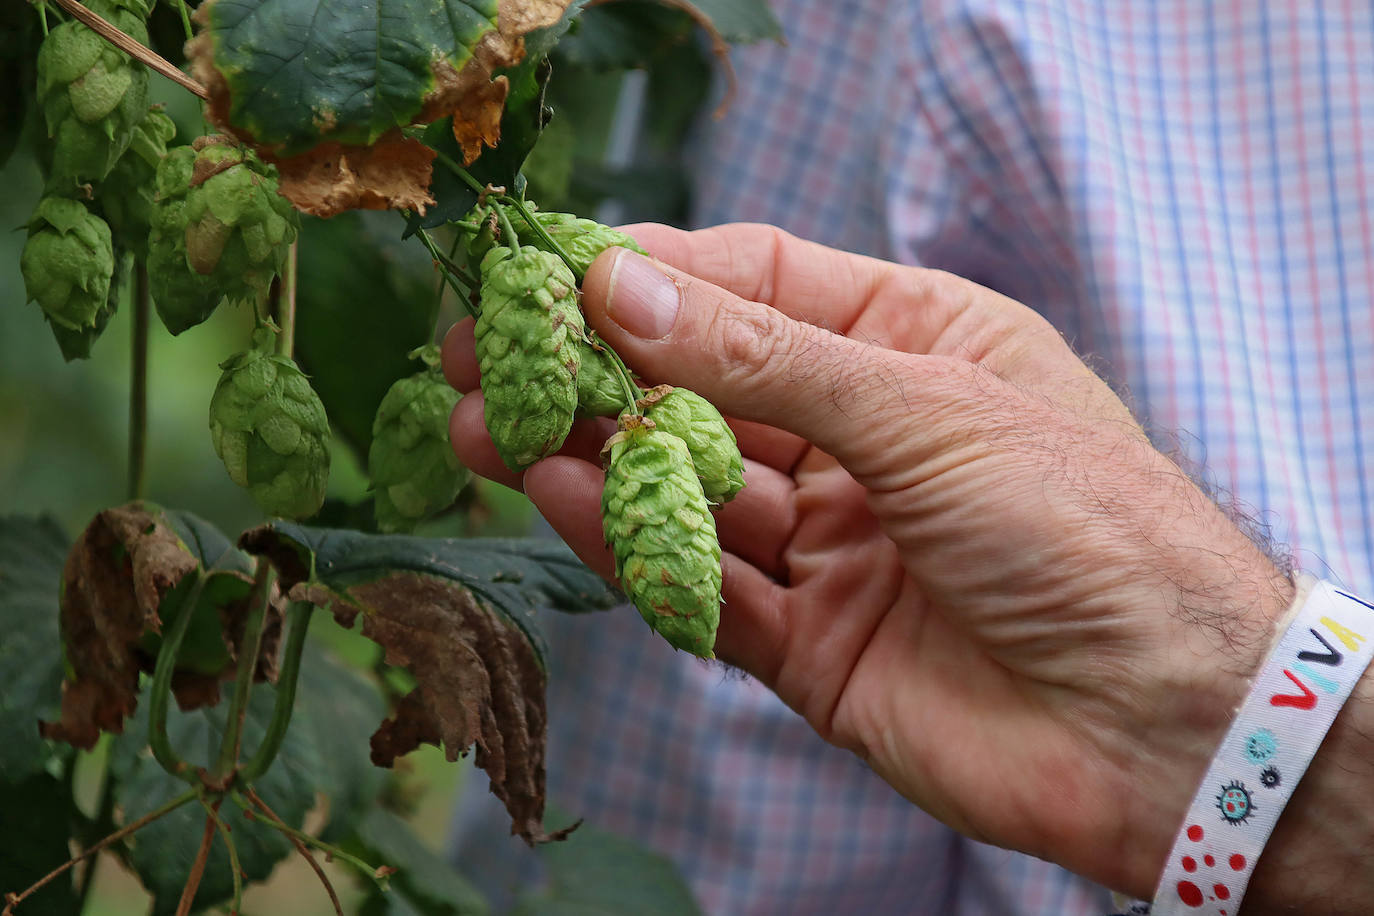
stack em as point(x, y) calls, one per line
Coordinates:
point(1298, 694)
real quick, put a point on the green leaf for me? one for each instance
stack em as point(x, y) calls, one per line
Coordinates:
point(32, 552)
point(521, 124)
point(424, 883)
point(364, 301)
point(458, 614)
point(294, 73)
point(338, 709)
point(164, 851)
point(35, 820)
point(597, 873)
point(626, 35)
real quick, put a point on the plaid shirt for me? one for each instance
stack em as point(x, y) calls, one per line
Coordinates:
point(1184, 187)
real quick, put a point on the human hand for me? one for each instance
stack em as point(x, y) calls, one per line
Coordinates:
point(957, 553)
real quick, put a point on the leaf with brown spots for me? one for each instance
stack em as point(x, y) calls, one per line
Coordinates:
point(327, 80)
point(131, 567)
point(459, 615)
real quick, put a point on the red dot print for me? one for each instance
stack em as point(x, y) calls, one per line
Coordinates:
point(1195, 833)
point(1188, 892)
point(1189, 864)
point(1209, 860)
point(1237, 862)
point(1221, 890)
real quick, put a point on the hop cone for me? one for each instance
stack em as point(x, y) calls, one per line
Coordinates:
point(270, 429)
point(128, 192)
point(660, 529)
point(694, 420)
point(527, 350)
point(220, 231)
point(581, 239)
point(92, 94)
point(599, 390)
point(414, 470)
point(77, 344)
point(67, 264)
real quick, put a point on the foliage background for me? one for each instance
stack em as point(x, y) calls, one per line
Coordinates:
point(614, 150)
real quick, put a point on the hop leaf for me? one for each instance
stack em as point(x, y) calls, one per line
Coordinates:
point(127, 194)
point(711, 442)
point(270, 430)
point(527, 349)
point(92, 94)
point(660, 530)
point(67, 264)
point(413, 467)
point(220, 230)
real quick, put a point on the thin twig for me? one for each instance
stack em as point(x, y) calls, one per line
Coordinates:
point(12, 900)
point(284, 309)
point(188, 892)
point(235, 867)
point(319, 873)
point(131, 47)
point(286, 694)
point(249, 646)
point(379, 875)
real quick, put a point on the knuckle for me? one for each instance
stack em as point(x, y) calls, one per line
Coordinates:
point(748, 339)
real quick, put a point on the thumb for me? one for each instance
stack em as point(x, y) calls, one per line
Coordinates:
point(754, 362)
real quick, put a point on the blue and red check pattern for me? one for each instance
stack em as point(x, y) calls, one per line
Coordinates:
point(1186, 188)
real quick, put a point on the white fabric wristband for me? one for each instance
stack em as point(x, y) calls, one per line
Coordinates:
point(1298, 694)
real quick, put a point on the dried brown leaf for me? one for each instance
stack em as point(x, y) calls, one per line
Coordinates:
point(329, 179)
point(116, 576)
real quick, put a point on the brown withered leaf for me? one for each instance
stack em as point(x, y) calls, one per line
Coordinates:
point(457, 613)
point(118, 574)
point(331, 178)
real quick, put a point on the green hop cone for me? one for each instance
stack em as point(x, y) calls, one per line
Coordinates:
point(127, 194)
point(77, 344)
point(600, 392)
point(414, 470)
point(527, 349)
point(67, 263)
point(92, 94)
point(581, 239)
point(711, 442)
point(660, 530)
point(220, 231)
point(269, 428)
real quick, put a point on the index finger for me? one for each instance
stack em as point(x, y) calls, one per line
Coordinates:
point(810, 282)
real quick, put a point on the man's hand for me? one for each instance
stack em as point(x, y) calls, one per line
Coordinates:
point(957, 553)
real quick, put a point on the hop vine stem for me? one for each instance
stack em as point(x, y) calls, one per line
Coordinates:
point(161, 689)
point(138, 384)
point(286, 693)
point(261, 598)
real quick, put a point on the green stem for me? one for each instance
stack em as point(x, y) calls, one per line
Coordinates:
point(186, 20)
point(158, 701)
point(509, 237)
point(549, 241)
point(309, 840)
point(213, 812)
point(43, 16)
point(461, 172)
point(138, 385)
point(286, 693)
point(460, 287)
point(627, 381)
point(248, 663)
point(284, 308)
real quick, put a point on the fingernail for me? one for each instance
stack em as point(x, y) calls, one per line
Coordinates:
point(641, 298)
